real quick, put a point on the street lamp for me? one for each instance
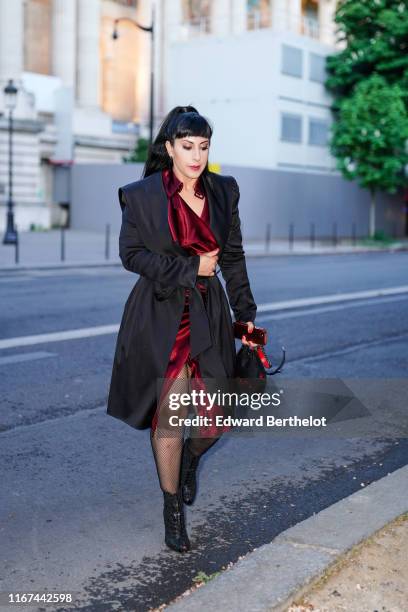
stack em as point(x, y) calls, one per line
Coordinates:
point(115, 36)
point(10, 97)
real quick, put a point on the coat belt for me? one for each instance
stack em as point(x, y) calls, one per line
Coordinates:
point(205, 317)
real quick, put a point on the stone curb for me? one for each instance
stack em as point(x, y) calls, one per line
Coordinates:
point(59, 265)
point(271, 576)
point(248, 254)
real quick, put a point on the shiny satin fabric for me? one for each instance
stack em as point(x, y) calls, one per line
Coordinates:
point(191, 231)
point(154, 308)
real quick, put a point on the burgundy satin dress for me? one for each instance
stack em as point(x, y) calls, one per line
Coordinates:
point(192, 232)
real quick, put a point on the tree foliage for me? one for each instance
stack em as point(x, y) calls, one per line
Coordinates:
point(375, 35)
point(139, 154)
point(369, 81)
point(370, 135)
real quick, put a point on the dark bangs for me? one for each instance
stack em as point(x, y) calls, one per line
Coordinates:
point(188, 124)
point(180, 122)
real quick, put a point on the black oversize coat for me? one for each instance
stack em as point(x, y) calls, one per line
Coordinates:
point(153, 310)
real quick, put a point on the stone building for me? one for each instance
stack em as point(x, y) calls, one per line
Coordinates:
point(83, 97)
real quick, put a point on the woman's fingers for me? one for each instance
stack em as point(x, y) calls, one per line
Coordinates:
point(212, 253)
point(249, 343)
point(208, 263)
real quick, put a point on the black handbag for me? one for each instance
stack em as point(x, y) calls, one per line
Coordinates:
point(252, 367)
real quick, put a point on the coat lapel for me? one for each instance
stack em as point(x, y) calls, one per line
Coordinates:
point(218, 207)
point(217, 204)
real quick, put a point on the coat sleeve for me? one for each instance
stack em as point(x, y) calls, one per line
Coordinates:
point(174, 270)
point(233, 268)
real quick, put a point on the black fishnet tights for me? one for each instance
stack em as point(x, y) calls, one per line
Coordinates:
point(167, 441)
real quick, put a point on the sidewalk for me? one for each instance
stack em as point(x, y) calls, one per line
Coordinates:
point(372, 576)
point(351, 556)
point(85, 248)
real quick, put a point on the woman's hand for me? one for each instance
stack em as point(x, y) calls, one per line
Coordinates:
point(208, 263)
point(249, 342)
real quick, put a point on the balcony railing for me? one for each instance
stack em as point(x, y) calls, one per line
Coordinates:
point(257, 19)
point(196, 26)
point(309, 26)
point(131, 3)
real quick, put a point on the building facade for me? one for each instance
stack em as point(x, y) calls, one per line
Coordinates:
point(255, 68)
point(80, 96)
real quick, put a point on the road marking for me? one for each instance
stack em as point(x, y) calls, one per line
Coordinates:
point(14, 279)
point(336, 297)
point(71, 334)
point(313, 311)
point(86, 332)
point(352, 348)
point(26, 357)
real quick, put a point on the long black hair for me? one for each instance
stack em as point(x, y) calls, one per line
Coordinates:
point(180, 122)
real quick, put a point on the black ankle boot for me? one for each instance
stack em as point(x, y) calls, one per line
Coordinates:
point(174, 522)
point(188, 480)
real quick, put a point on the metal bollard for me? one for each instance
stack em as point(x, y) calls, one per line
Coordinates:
point(291, 235)
point(335, 234)
point(312, 235)
point(62, 253)
point(107, 240)
point(17, 248)
point(268, 237)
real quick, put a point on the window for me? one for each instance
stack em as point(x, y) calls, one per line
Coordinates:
point(131, 3)
point(318, 132)
point(258, 14)
point(196, 14)
point(317, 68)
point(37, 36)
point(291, 127)
point(292, 58)
point(125, 127)
point(118, 71)
point(310, 20)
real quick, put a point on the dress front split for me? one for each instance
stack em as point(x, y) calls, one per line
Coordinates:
point(193, 233)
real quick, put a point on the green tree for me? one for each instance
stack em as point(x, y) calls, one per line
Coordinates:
point(368, 79)
point(140, 152)
point(369, 138)
point(375, 38)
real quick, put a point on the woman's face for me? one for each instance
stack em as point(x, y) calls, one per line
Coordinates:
point(190, 155)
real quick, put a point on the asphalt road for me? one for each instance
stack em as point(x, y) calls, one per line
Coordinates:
point(81, 510)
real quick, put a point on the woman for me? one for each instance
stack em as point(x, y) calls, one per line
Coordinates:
point(178, 222)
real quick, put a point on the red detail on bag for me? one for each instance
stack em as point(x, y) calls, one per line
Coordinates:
point(263, 357)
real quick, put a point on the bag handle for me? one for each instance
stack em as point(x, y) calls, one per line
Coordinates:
point(266, 361)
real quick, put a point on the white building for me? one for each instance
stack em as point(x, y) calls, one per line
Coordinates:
point(254, 68)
